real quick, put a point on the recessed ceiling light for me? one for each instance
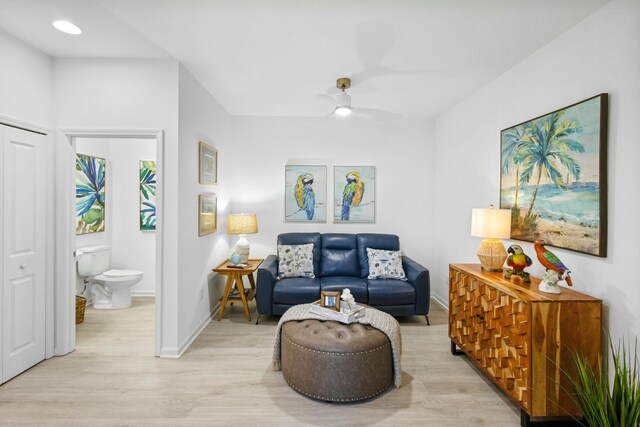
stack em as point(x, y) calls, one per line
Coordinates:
point(67, 27)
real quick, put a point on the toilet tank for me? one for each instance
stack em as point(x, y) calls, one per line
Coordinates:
point(94, 260)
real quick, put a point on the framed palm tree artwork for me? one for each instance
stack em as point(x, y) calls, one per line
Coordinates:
point(554, 177)
point(90, 194)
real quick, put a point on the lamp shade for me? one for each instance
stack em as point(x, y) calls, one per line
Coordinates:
point(242, 224)
point(491, 223)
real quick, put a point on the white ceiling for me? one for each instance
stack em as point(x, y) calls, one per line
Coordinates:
point(271, 57)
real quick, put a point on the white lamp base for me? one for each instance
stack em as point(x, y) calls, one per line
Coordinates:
point(242, 248)
point(492, 254)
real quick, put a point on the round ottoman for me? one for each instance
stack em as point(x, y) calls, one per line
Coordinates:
point(336, 362)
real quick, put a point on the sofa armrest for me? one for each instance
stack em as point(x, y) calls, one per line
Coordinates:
point(418, 276)
point(267, 276)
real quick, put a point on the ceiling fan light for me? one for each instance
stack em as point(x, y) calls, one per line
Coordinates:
point(343, 99)
point(343, 111)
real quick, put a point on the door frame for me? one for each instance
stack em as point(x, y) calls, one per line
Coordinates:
point(49, 237)
point(65, 242)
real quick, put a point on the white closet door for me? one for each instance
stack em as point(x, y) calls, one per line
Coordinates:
point(25, 175)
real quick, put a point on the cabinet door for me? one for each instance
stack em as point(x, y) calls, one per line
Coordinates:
point(492, 327)
point(24, 216)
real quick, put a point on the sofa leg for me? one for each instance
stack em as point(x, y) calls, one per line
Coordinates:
point(258, 318)
point(426, 316)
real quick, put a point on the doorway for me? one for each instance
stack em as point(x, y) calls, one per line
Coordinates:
point(76, 141)
point(116, 211)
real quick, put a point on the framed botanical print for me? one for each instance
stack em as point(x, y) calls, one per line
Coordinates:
point(208, 164)
point(207, 214)
point(147, 195)
point(90, 194)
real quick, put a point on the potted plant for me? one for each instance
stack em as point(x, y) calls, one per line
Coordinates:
point(605, 403)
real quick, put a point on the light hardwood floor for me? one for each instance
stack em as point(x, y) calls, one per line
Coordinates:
point(225, 378)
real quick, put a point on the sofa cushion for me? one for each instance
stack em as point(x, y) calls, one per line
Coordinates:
point(295, 260)
point(390, 292)
point(385, 264)
point(389, 242)
point(296, 290)
point(356, 285)
point(339, 255)
point(302, 239)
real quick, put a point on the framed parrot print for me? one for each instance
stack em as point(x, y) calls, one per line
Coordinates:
point(305, 189)
point(354, 194)
point(554, 177)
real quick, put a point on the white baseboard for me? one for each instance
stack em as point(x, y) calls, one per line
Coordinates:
point(441, 302)
point(175, 353)
point(143, 293)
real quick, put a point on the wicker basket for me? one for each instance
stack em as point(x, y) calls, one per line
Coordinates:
point(81, 303)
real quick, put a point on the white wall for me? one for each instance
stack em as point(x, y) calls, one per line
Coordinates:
point(26, 82)
point(130, 94)
point(400, 149)
point(598, 55)
point(201, 118)
point(131, 248)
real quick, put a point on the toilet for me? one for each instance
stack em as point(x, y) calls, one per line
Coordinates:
point(110, 289)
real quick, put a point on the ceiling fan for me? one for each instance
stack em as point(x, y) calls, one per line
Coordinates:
point(343, 106)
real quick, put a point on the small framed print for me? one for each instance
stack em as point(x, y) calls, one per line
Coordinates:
point(207, 214)
point(208, 164)
point(305, 193)
point(330, 300)
point(354, 194)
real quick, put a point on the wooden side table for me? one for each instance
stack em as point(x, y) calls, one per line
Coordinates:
point(234, 276)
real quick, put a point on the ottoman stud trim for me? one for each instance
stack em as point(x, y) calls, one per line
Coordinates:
point(332, 399)
point(335, 353)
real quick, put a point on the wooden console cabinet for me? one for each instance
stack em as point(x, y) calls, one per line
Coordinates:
point(522, 338)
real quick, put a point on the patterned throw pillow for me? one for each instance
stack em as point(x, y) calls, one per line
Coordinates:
point(385, 264)
point(295, 261)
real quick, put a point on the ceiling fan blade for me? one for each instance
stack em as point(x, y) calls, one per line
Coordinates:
point(327, 97)
point(374, 114)
point(374, 39)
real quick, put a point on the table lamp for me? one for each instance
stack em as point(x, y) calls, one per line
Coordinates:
point(242, 224)
point(492, 225)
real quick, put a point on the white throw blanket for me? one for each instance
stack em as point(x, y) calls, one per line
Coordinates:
point(372, 317)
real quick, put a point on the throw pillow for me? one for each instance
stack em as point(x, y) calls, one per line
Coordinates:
point(295, 261)
point(385, 264)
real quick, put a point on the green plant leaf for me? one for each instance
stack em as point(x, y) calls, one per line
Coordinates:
point(93, 215)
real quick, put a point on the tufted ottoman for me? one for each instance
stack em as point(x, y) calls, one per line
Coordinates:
point(336, 362)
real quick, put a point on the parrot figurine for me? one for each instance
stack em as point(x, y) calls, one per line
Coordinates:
point(519, 261)
point(352, 194)
point(305, 196)
point(556, 270)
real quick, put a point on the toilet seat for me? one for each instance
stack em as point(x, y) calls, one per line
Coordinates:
point(118, 275)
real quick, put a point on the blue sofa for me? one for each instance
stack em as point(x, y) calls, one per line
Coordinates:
point(340, 261)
